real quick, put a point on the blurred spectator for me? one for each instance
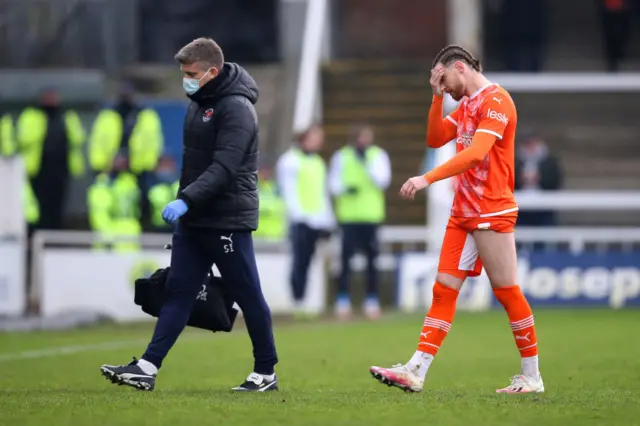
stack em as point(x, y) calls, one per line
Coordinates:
point(31, 207)
point(114, 208)
point(616, 16)
point(130, 131)
point(301, 176)
point(272, 221)
point(8, 147)
point(50, 140)
point(536, 170)
point(7, 137)
point(524, 28)
point(359, 174)
point(163, 191)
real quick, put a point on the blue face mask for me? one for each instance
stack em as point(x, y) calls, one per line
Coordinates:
point(192, 85)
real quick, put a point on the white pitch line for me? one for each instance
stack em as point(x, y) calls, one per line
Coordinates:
point(69, 350)
point(74, 349)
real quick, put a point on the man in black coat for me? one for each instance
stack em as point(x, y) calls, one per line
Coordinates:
point(536, 169)
point(216, 211)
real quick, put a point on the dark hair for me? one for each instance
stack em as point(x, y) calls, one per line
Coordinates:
point(453, 53)
point(203, 50)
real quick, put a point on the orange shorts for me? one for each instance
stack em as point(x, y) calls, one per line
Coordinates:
point(459, 255)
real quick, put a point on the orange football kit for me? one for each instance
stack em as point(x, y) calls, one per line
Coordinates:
point(484, 127)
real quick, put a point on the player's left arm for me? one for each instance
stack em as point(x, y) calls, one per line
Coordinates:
point(494, 117)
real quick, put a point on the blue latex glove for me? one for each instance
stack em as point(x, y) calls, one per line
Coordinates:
point(173, 211)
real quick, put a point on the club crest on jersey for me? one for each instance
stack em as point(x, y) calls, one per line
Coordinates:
point(207, 115)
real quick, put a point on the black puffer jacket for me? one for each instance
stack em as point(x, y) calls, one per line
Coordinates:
point(220, 156)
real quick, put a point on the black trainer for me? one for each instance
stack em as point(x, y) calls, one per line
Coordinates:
point(257, 383)
point(129, 375)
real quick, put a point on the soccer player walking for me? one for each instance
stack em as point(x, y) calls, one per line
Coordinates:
point(480, 231)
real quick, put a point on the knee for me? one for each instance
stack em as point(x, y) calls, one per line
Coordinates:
point(182, 282)
point(173, 289)
point(450, 280)
point(444, 295)
point(253, 304)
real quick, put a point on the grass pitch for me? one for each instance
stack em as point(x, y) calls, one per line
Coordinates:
point(589, 360)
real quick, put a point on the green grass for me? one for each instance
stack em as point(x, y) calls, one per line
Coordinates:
point(589, 360)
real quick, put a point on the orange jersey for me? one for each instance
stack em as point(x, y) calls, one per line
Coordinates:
point(486, 189)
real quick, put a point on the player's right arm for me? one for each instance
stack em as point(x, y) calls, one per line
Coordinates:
point(440, 131)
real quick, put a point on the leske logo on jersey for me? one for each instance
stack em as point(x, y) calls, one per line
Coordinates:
point(500, 116)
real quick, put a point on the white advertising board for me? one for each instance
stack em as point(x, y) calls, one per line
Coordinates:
point(103, 282)
point(12, 278)
point(416, 276)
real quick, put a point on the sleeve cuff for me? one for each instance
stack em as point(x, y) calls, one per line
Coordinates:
point(186, 199)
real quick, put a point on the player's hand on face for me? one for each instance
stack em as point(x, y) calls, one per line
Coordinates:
point(412, 186)
point(436, 79)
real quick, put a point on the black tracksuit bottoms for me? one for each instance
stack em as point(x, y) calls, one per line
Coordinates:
point(194, 251)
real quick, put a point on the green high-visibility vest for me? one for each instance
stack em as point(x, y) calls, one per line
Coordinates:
point(271, 220)
point(159, 196)
point(368, 204)
point(114, 210)
point(30, 204)
point(145, 144)
point(7, 137)
point(312, 182)
point(31, 131)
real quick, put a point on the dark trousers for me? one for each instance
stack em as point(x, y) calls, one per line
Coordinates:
point(303, 243)
point(617, 33)
point(51, 193)
point(359, 236)
point(194, 251)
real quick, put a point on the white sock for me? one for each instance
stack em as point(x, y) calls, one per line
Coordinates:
point(268, 377)
point(420, 363)
point(530, 366)
point(147, 367)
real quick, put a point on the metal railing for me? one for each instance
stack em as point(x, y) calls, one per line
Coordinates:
point(394, 240)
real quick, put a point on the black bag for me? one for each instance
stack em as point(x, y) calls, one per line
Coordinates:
point(213, 309)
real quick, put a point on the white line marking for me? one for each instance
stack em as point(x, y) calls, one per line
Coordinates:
point(69, 350)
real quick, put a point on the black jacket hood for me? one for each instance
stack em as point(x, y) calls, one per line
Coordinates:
point(233, 80)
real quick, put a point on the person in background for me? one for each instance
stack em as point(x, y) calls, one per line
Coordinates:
point(8, 148)
point(128, 130)
point(272, 220)
point(301, 175)
point(359, 173)
point(113, 205)
point(536, 170)
point(616, 18)
point(50, 140)
point(524, 31)
point(163, 191)
point(30, 207)
point(7, 135)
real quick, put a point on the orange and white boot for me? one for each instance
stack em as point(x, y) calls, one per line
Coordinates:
point(400, 376)
point(524, 384)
